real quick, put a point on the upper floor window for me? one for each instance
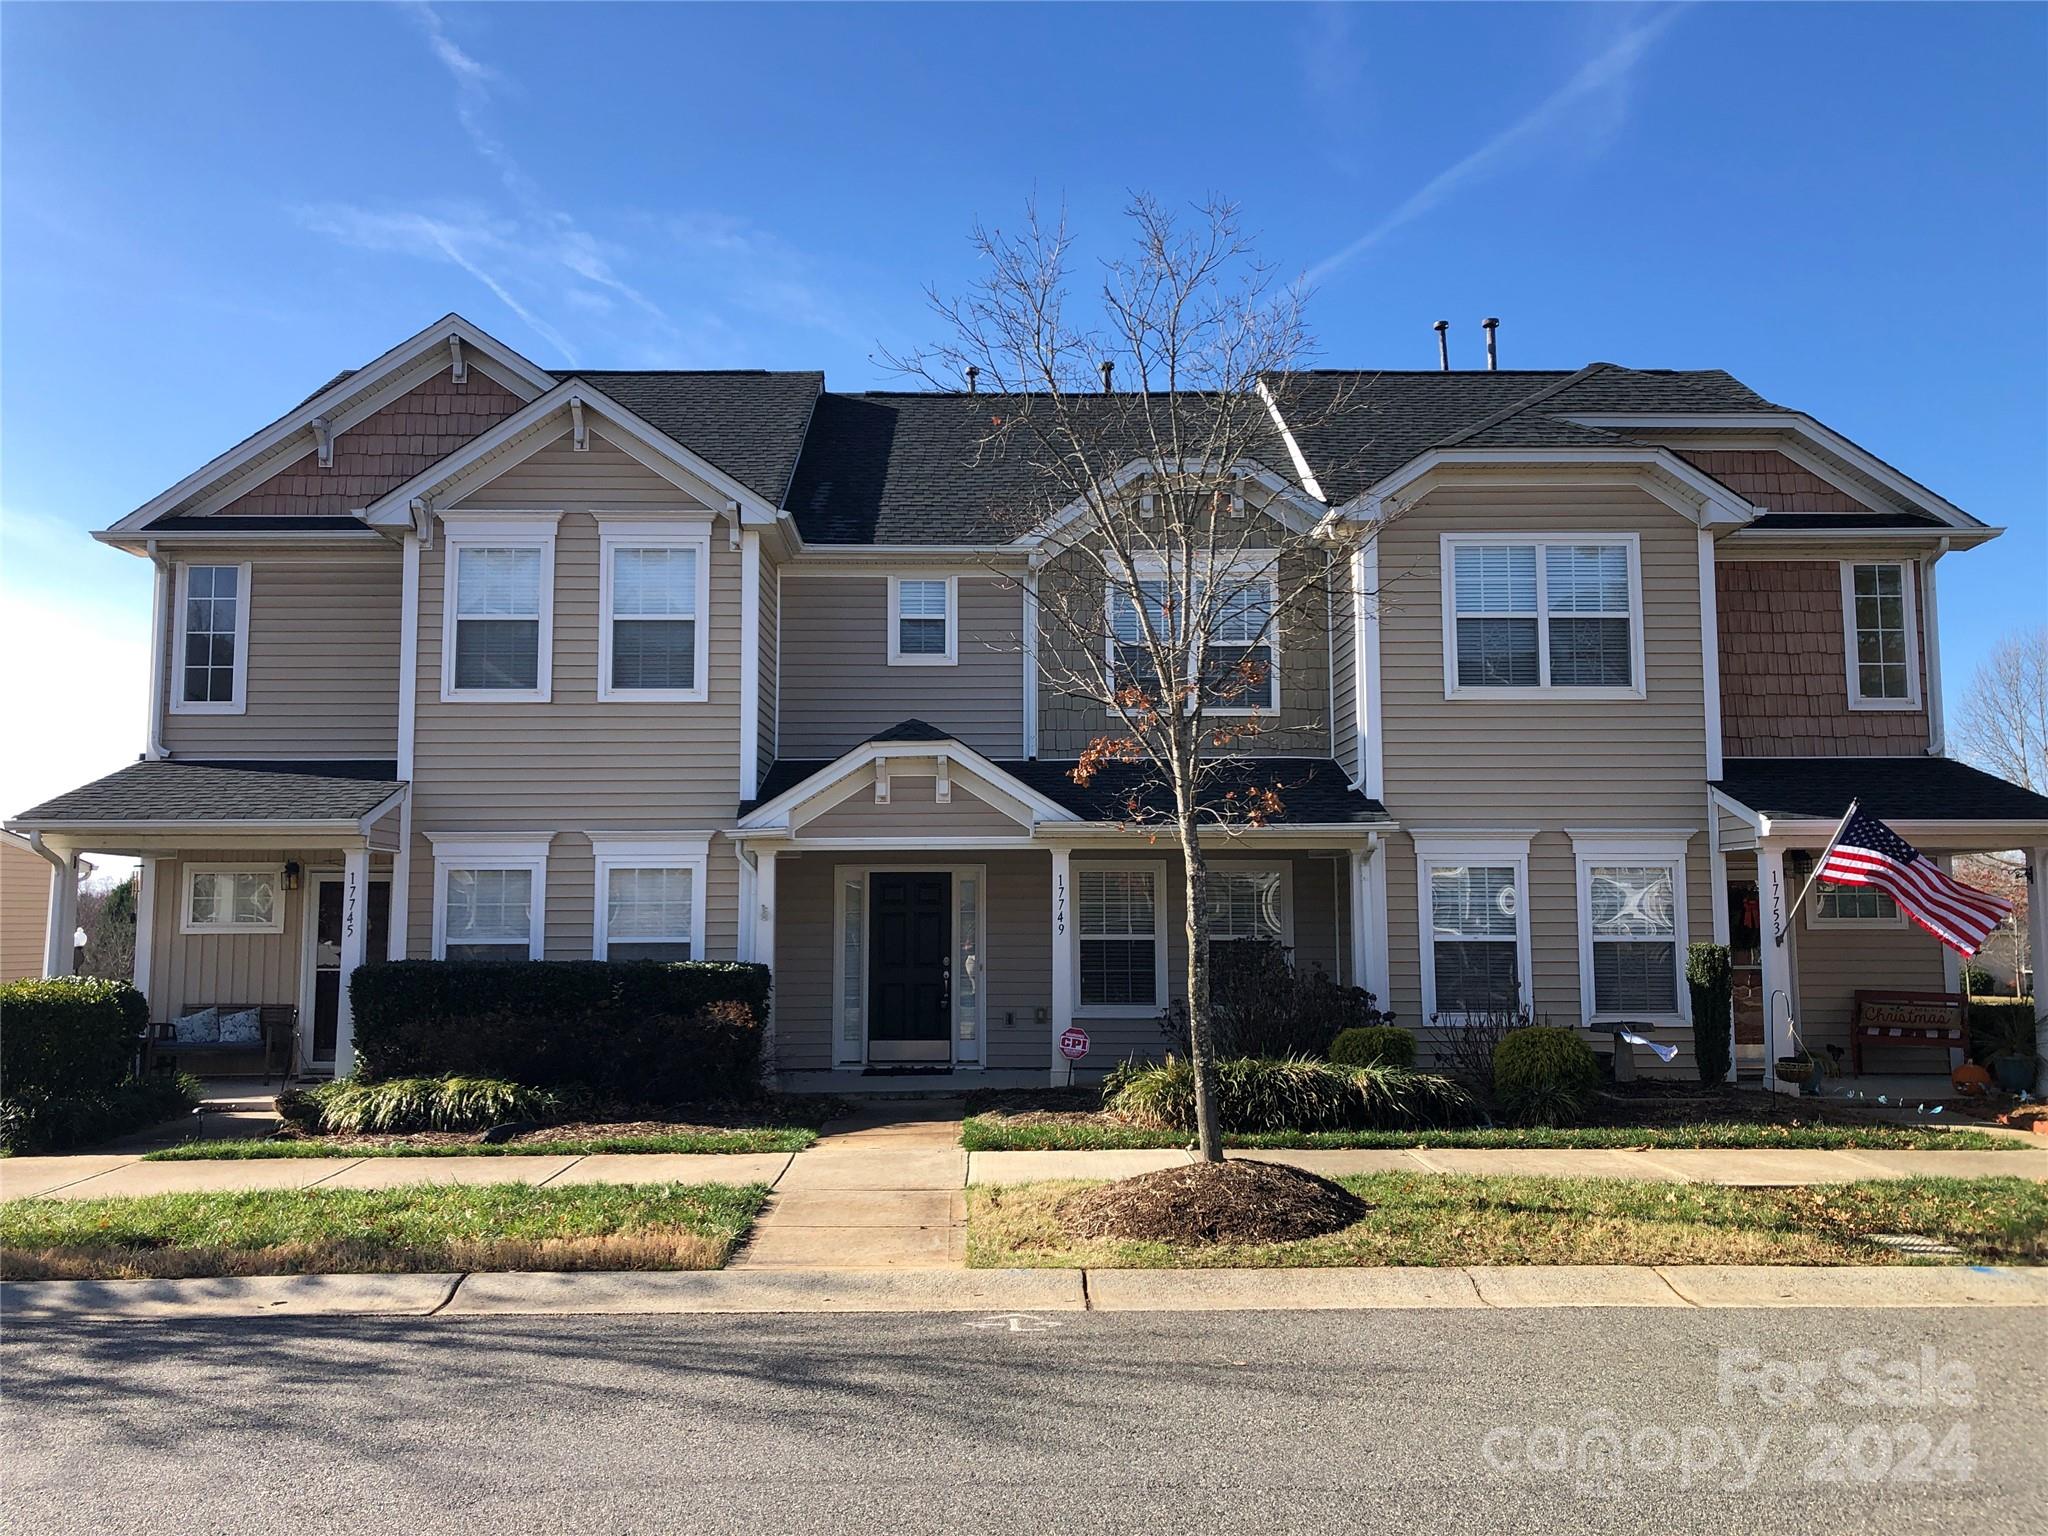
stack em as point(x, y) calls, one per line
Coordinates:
point(655, 602)
point(1562, 615)
point(1130, 659)
point(1241, 667)
point(1878, 623)
point(923, 623)
point(497, 635)
point(213, 640)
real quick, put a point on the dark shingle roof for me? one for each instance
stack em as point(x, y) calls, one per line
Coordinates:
point(1890, 788)
point(168, 790)
point(748, 422)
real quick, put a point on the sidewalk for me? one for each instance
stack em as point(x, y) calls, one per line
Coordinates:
point(891, 1192)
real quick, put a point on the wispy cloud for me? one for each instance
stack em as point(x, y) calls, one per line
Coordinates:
point(1601, 80)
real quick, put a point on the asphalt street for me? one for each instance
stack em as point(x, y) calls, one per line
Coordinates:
point(1549, 1420)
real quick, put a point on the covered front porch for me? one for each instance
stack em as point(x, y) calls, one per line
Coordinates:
point(1811, 969)
point(260, 891)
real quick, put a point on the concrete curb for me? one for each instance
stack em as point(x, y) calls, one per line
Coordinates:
point(626, 1293)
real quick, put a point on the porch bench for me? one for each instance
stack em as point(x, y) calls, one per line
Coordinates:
point(1928, 1021)
point(270, 1052)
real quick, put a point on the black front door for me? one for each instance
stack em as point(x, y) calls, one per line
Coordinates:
point(327, 956)
point(910, 950)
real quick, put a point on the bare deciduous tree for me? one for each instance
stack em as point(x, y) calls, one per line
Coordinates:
point(1173, 538)
point(2003, 724)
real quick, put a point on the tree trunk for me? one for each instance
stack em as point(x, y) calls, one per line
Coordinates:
point(1208, 1123)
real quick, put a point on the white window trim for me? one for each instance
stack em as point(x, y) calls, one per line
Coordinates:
point(1640, 852)
point(850, 1044)
point(618, 532)
point(1488, 850)
point(1816, 918)
point(1541, 542)
point(648, 850)
point(1281, 867)
point(1911, 701)
point(232, 929)
point(1160, 997)
point(492, 850)
point(951, 657)
point(1244, 567)
point(239, 703)
point(531, 530)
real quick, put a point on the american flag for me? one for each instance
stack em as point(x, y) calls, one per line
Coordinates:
point(1867, 852)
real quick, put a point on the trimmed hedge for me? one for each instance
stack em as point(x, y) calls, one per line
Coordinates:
point(1544, 1075)
point(628, 1031)
point(68, 1035)
point(40, 1122)
point(1375, 1045)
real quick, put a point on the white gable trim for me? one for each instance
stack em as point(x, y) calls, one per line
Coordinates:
point(1686, 490)
point(338, 402)
point(870, 763)
point(1290, 507)
point(653, 448)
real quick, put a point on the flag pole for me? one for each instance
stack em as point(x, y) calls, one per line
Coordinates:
point(1778, 939)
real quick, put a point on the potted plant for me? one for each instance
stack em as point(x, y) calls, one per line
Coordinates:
point(2006, 1036)
point(1798, 1068)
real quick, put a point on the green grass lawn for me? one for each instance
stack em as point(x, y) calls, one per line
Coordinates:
point(999, 1133)
point(765, 1139)
point(342, 1231)
point(1436, 1219)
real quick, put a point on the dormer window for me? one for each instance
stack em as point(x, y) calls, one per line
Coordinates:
point(1878, 632)
point(923, 621)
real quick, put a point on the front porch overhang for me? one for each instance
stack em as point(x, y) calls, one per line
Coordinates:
point(1934, 803)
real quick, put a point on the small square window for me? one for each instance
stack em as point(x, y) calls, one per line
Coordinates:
point(922, 623)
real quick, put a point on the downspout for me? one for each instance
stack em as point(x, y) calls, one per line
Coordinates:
point(159, 653)
point(62, 912)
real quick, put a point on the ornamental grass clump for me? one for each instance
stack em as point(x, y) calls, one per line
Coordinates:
point(1544, 1075)
point(401, 1106)
point(1264, 1094)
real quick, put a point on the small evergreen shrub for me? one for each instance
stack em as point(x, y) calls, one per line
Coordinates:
point(1976, 981)
point(68, 1035)
point(1264, 1094)
point(1711, 980)
point(399, 1106)
point(1375, 1045)
point(629, 1031)
point(1544, 1075)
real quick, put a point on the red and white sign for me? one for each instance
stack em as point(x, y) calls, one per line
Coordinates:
point(1074, 1043)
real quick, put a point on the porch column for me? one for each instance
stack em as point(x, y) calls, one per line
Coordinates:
point(2037, 951)
point(1365, 918)
point(762, 913)
point(355, 924)
point(61, 921)
point(1062, 964)
point(145, 921)
point(1775, 900)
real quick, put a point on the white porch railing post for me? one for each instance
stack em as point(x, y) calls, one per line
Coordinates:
point(2037, 950)
point(145, 922)
point(1062, 963)
point(355, 924)
point(1775, 898)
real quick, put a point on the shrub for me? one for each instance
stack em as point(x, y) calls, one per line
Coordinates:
point(1375, 1045)
point(40, 1122)
point(1262, 1005)
point(1464, 1044)
point(1976, 981)
point(1711, 980)
point(1544, 1076)
point(2001, 1026)
point(400, 1105)
point(68, 1035)
point(1263, 1094)
point(629, 1031)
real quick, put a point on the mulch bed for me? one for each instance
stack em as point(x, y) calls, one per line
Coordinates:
point(1240, 1201)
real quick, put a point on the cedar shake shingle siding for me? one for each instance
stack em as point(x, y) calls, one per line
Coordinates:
point(1784, 673)
point(386, 448)
point(1771, 480)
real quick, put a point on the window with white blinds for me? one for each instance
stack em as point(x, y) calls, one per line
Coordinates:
point(923, 624)
point(1541, 615)
point(650, 913)
point(1117, 918)
point(498, 617)
point(487, 914)
point(651, 627)
point(1635, 939)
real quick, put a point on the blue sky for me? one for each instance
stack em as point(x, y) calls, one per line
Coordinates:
point(206, 211)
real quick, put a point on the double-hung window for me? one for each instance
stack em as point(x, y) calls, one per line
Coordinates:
point(490, 896)
point(923, 621)
point(1475, 949)
point(1631, 928)
point(655, 599)
point(213, 640)
point(650, 897)
point(498, 621)
point(1243, 672)
point(1241, 659)
point(1562, 615)
point(1130, 658)
point(228, 899)
point(1117, 912)
point(1878, 624)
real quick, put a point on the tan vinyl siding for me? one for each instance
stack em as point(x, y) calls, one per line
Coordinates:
point(322, 665)
point(913, 812)
point(1784, 668)
point(24, 908)
point(838, 688)
point(1832, 963)
point(576, 765)
point(1545, 763)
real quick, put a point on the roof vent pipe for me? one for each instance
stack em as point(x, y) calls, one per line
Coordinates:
point(1443, 344)
point(973, 373)
point(1108, 368)
point(1491, 325)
